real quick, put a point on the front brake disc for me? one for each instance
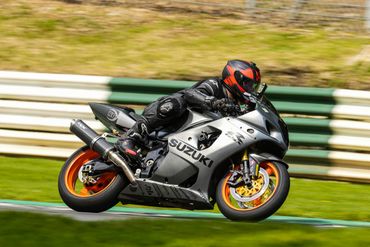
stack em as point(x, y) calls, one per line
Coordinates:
point(242, 198)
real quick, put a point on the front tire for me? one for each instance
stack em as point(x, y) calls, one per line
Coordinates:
point(83, 198)
point(243, 204)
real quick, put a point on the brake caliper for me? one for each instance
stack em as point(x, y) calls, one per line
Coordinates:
point(85, 174)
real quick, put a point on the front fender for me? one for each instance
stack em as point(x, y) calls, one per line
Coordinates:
point(262, 157)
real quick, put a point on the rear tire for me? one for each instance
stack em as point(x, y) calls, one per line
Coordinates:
point(262, 211)
point(97, 201)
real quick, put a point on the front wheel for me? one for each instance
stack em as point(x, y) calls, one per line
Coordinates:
point(264, 198)
point(96, 196)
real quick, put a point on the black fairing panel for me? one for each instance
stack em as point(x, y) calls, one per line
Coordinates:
point(114, 117)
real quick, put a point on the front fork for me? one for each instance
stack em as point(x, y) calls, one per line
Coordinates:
point(249, 171)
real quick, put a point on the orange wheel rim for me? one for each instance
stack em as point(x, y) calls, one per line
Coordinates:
point(271, 170)
point(71, 176)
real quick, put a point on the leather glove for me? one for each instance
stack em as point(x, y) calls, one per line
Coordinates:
point(223, 105)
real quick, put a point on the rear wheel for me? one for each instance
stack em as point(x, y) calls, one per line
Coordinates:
point(267, 194)
point(98, 194)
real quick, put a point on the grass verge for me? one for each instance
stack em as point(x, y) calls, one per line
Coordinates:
point(36, 180)
point(145, 42)
point(41, 230)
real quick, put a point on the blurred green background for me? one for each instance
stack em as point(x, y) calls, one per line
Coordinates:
point(162, 39)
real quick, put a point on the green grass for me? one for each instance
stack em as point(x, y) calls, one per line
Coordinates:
point(36, 180)
point(52, 36)
point(24, 229)
point(29, 179)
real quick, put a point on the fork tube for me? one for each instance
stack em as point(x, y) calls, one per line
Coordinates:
point(246, 169)
point(245, 163)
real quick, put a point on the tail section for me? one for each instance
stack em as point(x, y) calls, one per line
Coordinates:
point(114, 117)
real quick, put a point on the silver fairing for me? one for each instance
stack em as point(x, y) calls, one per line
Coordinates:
point(184, 163)
point(267, 120)
point(185, 159)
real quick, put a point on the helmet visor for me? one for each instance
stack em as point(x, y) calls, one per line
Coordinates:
point(248, 84)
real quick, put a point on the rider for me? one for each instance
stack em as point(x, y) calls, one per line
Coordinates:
point(239, 78)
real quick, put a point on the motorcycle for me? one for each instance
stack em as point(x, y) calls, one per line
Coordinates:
point(232, 160)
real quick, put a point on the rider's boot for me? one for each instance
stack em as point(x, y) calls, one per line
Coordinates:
point(128, 146)
point(135, 139)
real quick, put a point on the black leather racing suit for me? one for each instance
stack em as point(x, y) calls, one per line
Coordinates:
point(169, 108)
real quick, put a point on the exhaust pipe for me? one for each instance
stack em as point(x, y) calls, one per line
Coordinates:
point(101, 146)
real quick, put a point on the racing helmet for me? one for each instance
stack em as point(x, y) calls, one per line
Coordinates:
point(241, 77)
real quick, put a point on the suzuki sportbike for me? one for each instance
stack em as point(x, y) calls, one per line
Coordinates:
point(234, 160)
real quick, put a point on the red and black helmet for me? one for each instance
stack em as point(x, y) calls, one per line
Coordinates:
point(241, 76)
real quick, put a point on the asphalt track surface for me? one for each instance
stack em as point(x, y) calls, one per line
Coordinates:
point(123, 213)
